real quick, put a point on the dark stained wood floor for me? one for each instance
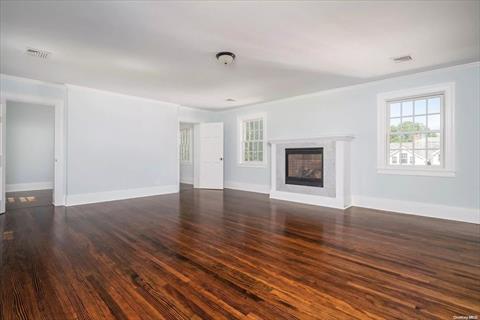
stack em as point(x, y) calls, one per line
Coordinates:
point(24, 199)
point(234, 255)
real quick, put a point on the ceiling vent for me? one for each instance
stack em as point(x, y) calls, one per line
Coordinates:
point(402, 58)
point(37, 53)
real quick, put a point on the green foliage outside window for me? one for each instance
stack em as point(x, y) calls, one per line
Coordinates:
point(404, 128)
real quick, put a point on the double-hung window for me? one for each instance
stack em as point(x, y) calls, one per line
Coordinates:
point(252, 132)
point(415, 131)
point(186, 145)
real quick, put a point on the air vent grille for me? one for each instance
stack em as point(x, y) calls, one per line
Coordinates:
point(403, 58)
point(37, 53)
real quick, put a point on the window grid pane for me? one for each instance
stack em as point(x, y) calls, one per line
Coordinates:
point(414, 131)
point(185, 144)
point(252, 143)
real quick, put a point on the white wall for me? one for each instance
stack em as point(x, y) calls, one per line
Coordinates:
point(29, 146)
point(119, 143)
point(97, 119)
point(353, 110)
point(186, 169)
point(118, 146)
point(191, 115)
point(29, 87)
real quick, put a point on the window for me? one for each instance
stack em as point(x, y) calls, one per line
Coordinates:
point(186, 145)
point(417, 124)
point(252, 131)
point(415, 128)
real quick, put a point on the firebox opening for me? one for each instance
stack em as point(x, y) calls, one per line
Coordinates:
point(304, 166)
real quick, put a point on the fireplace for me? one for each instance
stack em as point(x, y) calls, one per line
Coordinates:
point(304, 166)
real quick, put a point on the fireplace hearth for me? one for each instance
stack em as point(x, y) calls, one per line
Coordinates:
point(304, 166)
point(323, 179)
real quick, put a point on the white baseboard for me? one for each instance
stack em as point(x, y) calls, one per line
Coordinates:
point(471, 215)
point(77, 199)
point(309, 199)
point(260, 188)
point(44, 185)
point(186, 180)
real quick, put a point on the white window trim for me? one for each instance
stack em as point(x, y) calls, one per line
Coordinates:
point(447, 127)
point(240, 120)
point(190, 130)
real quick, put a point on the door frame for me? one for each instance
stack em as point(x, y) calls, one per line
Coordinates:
point(194, 145)
point(59, 180)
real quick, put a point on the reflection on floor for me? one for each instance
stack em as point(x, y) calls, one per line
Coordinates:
point(209, 254)
point(27, 199)
point(185, 186)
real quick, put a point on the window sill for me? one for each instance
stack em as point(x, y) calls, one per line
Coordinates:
point(253, 164)
point(417, 172)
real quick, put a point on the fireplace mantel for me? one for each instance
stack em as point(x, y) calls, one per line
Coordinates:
point(347, 137)
point(335, 191)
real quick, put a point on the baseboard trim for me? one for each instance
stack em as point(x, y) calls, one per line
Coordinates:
point(259, 188)
point(85, 198)
point(309, 199)
point(470, 215)
point(187, 181)
point(44, 185)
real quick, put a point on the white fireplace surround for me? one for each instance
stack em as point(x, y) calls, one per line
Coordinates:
point(336, 154)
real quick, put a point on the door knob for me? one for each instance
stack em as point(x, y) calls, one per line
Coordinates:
point(221, 158)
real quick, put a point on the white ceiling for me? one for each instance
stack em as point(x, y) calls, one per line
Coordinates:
point(166, 50)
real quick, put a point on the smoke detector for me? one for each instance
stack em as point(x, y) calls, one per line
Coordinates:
point(37, 53)
point(225, 57)
point(402, 59)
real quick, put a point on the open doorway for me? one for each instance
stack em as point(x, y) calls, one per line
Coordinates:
point(200, 148)
point(30, 148)
point(59, 182)
point(186, 158)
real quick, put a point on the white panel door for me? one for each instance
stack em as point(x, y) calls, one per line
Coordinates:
point(3, 113)
point(211, 155)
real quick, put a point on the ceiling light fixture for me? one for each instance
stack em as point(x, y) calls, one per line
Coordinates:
point(225, 57)
point(230, 100)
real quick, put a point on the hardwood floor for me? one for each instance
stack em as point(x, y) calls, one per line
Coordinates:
point(234, 255)
point(25, 199)
point(185, 186)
